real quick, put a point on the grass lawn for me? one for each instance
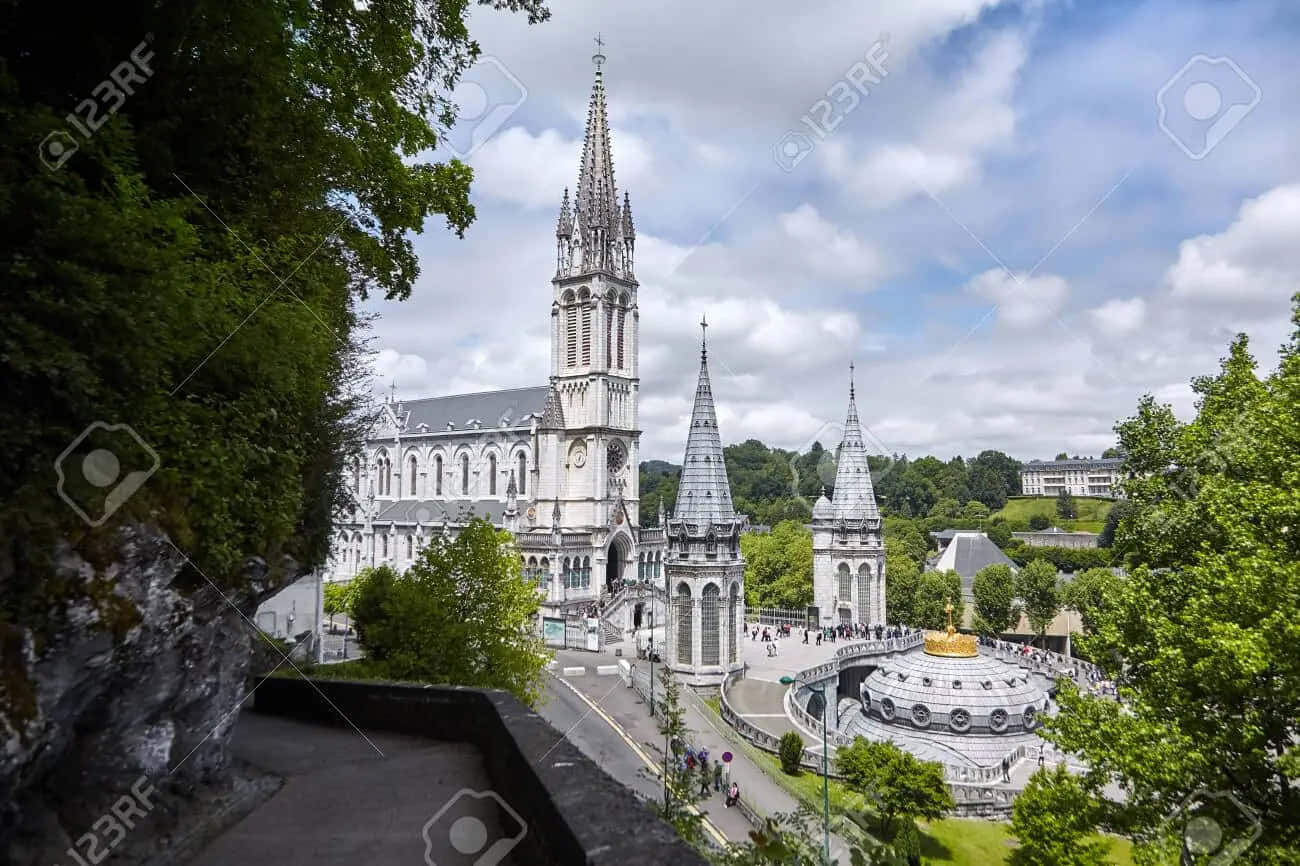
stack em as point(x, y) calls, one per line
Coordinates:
point(947, 842)
point(1092, 511)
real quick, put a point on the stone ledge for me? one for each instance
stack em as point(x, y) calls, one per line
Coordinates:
point(576, 813)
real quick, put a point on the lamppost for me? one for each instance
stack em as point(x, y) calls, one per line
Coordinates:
point(652, 660)
point(826, 779)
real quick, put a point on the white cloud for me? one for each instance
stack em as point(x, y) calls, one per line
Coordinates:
point(1257, 258)
point(518, 167)
point(1022, 302)
point(1120, 316)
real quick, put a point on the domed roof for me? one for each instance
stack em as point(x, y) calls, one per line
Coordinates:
point(823, 508)
point(940, 685)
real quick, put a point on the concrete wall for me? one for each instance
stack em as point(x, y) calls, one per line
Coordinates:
point(292, 610)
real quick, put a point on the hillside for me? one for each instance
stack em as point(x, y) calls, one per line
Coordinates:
point(1092, 511)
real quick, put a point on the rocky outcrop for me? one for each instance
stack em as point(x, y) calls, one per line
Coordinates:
point(140, 678)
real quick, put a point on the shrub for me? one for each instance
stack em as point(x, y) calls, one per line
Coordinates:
point(1039, 521)
point(374, 585)
point(791, 751)
point(907, 843)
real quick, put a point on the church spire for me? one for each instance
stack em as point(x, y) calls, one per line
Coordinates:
point(854, 497)
point(599, 236)
point(703, 494)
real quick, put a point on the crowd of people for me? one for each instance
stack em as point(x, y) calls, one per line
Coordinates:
point(715, 775)
point(772, 635)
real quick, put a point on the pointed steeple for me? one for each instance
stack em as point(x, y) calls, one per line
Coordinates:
point(564, 225)
point(703, 494)
point(854, 497)
point(552, 412)
point(595, 194)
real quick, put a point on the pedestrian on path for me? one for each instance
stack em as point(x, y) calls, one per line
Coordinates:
point(704, 781)
point(717, 775)
point(733, 794)
point(1040, 759)
point(1006, 766)
point(805, 635)
point(819, 638)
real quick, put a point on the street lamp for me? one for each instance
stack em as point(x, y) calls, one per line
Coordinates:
point(826, 779)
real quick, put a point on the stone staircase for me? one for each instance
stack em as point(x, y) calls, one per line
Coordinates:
point(610, 633)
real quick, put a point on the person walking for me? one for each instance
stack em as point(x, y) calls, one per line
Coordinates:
point(819, 637)
point(805, 636)
point(717, 775)
point(704, 780)
point(776, 647)
point(1006, 767)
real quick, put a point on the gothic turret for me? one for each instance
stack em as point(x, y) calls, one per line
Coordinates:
point(599, 242)
point(853, 499)
point(703, 494)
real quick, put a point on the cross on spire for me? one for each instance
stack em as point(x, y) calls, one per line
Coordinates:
point(599, 57)
point(704, 337)
point(850, 380)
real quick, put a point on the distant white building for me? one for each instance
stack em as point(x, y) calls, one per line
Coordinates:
point(1099, 477)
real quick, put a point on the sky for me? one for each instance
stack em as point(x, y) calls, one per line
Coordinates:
point(1014, 218)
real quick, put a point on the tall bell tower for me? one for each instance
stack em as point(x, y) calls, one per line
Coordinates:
point(594, 323)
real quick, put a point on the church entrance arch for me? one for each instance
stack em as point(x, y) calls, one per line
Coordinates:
point(614, 556)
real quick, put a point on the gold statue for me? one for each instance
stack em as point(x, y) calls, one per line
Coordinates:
point(949, 643)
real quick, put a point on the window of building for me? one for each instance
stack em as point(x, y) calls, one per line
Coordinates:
point(586, 333)
point(523, 473)
point(412, 471)
point(437, 475)
point(384, 548)
point(492, 475)
point(622, 316)
point(571, 334)
point(464, 474)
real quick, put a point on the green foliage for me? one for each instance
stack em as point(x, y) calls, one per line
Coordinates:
point(907, 842)
point(903, 578)
point(994, 591)
point(933, 593)
point(1092, 512)
point(998, 531)
point(778, 566)
point(975, 510)
point(1053, 819)
point(1062, 456)
point(1106, 538)
point(796, 839)
point(680, 783)
point(1036, 587)
point(898, 783)
point(193, 270)
point(1068, 559)
point(657, 483)
point(1065, 507)
point(790, 749)
point(1091, 593)
point(1205, 626)
point(461, 614)
point(1039, 522)
point(1111, 452)
point(946, 508)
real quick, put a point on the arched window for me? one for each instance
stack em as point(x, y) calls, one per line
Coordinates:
point(410, 547)
point(523, 473)
point(412, 472)
point(733, 618)
point(622, 316)
point(659, 558)
point(586, 332)
point(545, 578)
point(437, 475)
point(685, 633)
point(864, 593)
point(571, 334)
point(464, 474)
point(846, 584)
point(568, 577)
point(384, 549)
point(356, 476)
point(710, 634)
point(384, 468)
point(609, 331)
point(586, 572)
point(492, 475)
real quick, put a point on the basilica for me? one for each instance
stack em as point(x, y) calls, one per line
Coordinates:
point(557, 463)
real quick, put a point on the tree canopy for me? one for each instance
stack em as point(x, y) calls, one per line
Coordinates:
point(1201, 635)
point(778, 566)
point(1036, 586)
point(994, 591)
point(896, 782)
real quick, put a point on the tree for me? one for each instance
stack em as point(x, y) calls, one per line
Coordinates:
point(1036, 586)
point(1117, 513)
point(933, 593)
point(1090, 593)
point(1066, 509)
point(334, 599)
point(680, 787)
point(896, 782)
point(1039, 522)
point(904, 578)
point(998, 531)
point(462, 614)
point(994, 591)
point(790, 749)
point(946, 508)
point(1063, 456)
point(1204, 628)
point(778, 566)
point(1053, 818)
point(974, 510)
point(1110, 453)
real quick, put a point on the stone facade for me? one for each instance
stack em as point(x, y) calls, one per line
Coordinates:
point(557, 463)
point(704, 568)
point(848, 538)
point(1080, 477)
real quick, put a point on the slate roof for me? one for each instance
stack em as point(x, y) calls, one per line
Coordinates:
point(703, 494)
point(493, 409)
point(967, 553)
point(1059, 465)
point(854, 498)
point(435, 511)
